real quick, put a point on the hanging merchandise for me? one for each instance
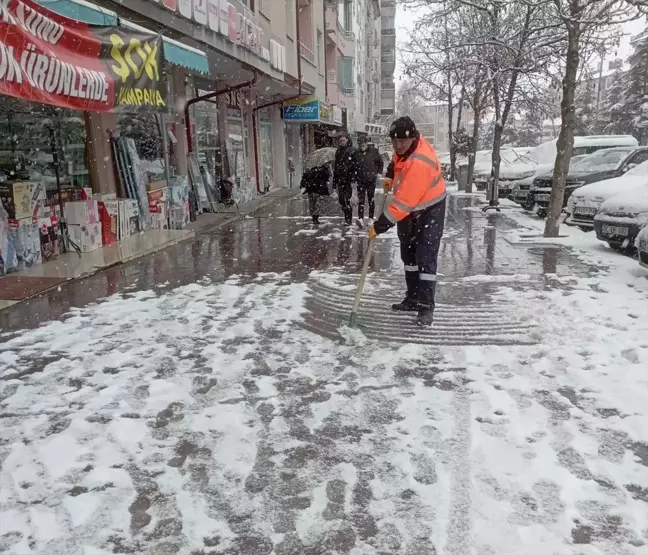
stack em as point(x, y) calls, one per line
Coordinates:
point(46, 57)
point(138, 180)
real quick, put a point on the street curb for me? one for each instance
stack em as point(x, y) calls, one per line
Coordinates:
point(195, 233)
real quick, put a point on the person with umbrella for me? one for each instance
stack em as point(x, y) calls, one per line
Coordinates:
point(315, 180)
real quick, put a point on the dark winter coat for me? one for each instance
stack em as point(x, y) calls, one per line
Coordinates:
point(372, 162)
point(348, 166)
point(316, 180)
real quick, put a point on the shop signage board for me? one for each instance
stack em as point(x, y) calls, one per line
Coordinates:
point(223, 10)
point(184, 7)
point(302, 110)
point(171, 4)
point(200, 11)
point(213, 14)
point(48, 58)
point(337, 115)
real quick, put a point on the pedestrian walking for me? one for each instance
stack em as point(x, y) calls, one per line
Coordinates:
point(418, 209)
point(315, 183)
point(346, 171)
point(372, 167)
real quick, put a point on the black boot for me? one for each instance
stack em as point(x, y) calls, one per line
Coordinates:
point(407, 305)
point(425, 317)
point(316, 220)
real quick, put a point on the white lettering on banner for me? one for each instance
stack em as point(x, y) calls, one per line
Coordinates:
point(33, 22)
point(300, 109)
point(213, 12)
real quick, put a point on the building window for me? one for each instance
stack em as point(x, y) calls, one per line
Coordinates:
point(362, 101)
point(345, 11)
point(290, 18)
point(320, 53)
point(249, 4)
point(345, 72)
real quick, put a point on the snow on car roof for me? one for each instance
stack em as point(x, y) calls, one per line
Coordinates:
point(634, 178)
point(605, 140)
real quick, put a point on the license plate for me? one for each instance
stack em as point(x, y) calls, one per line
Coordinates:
point(588, 211)
point(542, 198)
point(612, 230)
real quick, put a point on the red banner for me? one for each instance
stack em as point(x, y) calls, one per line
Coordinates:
point(46, 57)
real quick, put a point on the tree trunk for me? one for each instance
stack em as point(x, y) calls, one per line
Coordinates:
point(497, 156)
point(472, 155)
point(565, 142)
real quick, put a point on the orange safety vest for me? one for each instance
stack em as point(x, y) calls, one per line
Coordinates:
point(418, 182)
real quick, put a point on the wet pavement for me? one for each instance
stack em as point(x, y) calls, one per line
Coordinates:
point(195, 414)
point(281, 238)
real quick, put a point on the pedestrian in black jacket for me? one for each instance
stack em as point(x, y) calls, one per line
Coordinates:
point(348, 168)
point(315, 184)
point(372, 164)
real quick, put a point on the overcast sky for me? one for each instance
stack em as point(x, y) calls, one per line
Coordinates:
point(405, 21)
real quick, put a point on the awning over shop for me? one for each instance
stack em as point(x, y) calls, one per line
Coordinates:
point(81, 11)
point(308, 109)
point(175, 52)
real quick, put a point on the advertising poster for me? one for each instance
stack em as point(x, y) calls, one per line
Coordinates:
point(48, 58)
point(200, 11)
point(213, 14)
point(184, 7)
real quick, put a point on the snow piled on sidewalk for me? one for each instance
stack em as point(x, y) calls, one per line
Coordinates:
point(205, 420)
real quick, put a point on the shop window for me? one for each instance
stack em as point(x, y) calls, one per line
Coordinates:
point(26, 131)
point(205, 118)
point(144, 128)
point(236, 150)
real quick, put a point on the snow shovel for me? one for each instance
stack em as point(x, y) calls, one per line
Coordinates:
point(365, 267)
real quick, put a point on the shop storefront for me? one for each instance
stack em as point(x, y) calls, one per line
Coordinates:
point(267, 151)
point(318, 121)
point(84, 144)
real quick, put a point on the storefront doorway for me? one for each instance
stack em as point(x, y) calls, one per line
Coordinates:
point(267, 152)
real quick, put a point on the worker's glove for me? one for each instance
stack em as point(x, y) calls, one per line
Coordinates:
point(387, 184)
point(372, 233)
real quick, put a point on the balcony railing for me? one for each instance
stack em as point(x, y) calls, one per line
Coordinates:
point(388, 32)
point(307, 53)
point(388, 59)
point(331, 76)
point(348, 35)
point(387, 86)
point(388, 4)
point(346, 91)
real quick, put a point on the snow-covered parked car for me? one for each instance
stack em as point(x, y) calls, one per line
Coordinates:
point(544, 156)
point(621, 218)
point(642, 246)
point(515, 161)
point(601, 165)
point(585, 202)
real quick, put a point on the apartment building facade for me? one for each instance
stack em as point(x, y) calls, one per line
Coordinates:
point(387, 58)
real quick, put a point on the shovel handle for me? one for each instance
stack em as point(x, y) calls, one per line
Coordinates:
point(365, 264)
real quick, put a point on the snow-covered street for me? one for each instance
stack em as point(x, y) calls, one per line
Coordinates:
point(208, 404)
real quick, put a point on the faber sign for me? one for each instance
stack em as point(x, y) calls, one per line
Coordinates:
point(46, 57)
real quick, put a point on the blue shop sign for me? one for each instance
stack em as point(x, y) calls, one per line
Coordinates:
point(302, 109)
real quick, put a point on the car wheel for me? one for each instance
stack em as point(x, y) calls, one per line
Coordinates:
point(585, 229)
point(617, 247)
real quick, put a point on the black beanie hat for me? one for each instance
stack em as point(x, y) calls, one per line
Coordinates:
point(403, 128)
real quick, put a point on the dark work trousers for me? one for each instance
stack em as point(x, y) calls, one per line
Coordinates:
point(369, 189)
point(420, 238)
point(314, 204)
point(345, 191)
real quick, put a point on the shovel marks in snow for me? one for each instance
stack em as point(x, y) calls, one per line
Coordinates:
point(479, 323)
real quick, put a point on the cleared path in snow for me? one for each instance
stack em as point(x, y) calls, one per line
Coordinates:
point(195, 412)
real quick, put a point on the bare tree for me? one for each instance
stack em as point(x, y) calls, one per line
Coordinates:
point(585, 21)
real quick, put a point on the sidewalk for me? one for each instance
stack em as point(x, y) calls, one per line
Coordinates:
point(38, 279)
point(206, 399)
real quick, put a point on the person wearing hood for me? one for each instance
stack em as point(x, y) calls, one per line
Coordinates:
point(418, 209)
point(346, 170)
point(372, 165)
